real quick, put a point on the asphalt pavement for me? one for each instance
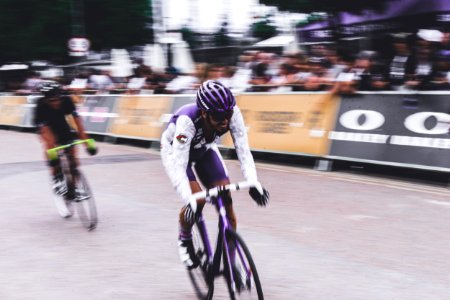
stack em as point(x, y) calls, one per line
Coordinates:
point(324, 235)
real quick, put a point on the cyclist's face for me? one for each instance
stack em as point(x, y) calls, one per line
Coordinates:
point(54, 102)
point(220, 122)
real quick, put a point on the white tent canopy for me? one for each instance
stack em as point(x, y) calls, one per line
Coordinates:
point(155, 57)
point(121, 63)
point(288, 42)
point(182, 58)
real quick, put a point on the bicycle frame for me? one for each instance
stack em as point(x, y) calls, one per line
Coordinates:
point(54, 153)
point(213, 266)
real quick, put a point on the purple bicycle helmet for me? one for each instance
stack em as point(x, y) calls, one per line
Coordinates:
point(213, 96)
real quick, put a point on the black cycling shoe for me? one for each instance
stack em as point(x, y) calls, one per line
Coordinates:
point(187, 254)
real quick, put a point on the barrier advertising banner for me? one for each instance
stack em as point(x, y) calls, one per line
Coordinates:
point(12, 110)
point(141, 117)
point(394, 128)
point(97, 112)
point(292, 123)
point(180, 100)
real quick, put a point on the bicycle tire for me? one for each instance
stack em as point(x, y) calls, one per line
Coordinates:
point(252, 281)
point(65, 200)
point(86, 208)
point(199, 277)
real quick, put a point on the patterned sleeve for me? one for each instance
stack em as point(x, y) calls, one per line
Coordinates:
point(239, 134)
point(175, 148)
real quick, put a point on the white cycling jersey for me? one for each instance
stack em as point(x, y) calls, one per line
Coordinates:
point(183, 142)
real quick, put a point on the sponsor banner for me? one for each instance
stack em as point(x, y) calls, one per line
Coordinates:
point(28, 110)
point(179, 101)
point(289, 123)
point(97, 112)
point(12, 110)
point(397, 128)
point(141, 116)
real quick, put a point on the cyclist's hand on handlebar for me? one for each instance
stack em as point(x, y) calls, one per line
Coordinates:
point(91, 150)
point(261, 200)
point(189, 215)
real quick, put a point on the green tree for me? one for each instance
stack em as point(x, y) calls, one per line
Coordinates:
point(189, 36)
point(117, 23)
point(263, 29)
point(32, 29)
point(40, 29)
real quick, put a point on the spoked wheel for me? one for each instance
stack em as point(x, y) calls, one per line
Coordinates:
point(245, 283)
point(84, 203)
point(203, 287)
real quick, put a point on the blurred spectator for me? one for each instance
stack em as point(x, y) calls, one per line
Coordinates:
point(137, 84)
point(423, 67)
point(259, 78)
point(227, 78)
point(285, 76)
point(79, 84)
point(445, 41)
point(336, 64)
point(401, 65)
point(214, 72)
point(188, 83)
point(440, 77)
point(365, 75)
point(31, 84)
point(101, 81)
point(318, 80)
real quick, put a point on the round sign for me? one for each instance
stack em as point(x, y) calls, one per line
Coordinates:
point(79, 44)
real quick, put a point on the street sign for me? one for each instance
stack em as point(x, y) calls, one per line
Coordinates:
point(78, 46)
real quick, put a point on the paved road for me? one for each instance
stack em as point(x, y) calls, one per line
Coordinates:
point(324, 235)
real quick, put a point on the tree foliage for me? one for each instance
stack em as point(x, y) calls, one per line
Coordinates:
point(117, 23)
point(33, 29)
point(263, 30)
point(40, 29)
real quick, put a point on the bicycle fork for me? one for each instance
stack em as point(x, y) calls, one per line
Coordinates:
point(229, 255)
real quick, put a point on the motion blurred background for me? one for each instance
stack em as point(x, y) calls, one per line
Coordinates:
point(155, 46)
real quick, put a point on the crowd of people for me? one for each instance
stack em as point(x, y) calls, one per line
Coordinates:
point(418, 65)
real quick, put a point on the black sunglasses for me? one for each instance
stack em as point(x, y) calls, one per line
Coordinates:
point(220, 116)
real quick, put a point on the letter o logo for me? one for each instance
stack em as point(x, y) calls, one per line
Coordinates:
point(351, 119)
point(416, 123)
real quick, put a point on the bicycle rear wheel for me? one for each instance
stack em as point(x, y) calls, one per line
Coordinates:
point(245, 283)
point(85, 203)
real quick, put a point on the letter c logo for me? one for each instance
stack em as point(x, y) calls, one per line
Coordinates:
point(416, 122)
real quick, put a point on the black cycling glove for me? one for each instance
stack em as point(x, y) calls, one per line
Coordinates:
point(261, 200)
point(92, 151)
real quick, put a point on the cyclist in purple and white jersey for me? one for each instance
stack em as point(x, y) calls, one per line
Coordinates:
point(190, 155)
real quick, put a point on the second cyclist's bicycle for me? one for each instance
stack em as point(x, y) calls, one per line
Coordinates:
point(77, 194)
point(231, 258)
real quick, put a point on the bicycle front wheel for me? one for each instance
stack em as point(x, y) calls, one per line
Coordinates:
point(85, 203)
point(244, 283)
point(200, 277)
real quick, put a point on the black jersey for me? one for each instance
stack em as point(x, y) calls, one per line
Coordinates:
point(55, 118)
